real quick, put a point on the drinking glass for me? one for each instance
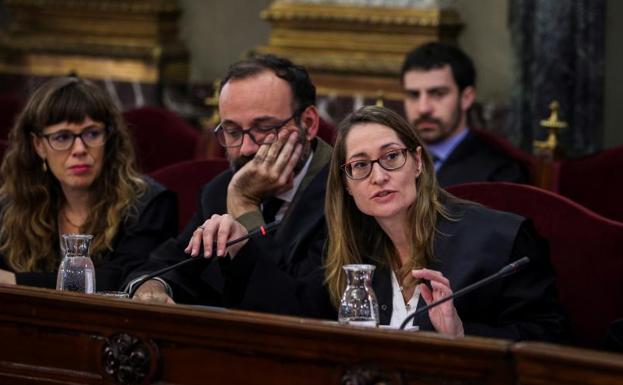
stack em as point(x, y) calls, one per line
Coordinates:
point(76, 272)
point(358, 305)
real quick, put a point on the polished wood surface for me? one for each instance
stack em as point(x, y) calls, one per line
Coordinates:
point(53, 337)
point(545, 364)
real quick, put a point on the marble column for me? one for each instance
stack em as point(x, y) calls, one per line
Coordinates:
point(559, 53)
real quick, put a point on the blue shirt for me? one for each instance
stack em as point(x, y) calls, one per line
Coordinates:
point(442, 150)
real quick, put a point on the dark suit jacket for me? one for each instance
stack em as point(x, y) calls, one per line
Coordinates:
point(137, 237)
point(523, 306)
point(475, 160)
point(253, 279)
point(518, 307)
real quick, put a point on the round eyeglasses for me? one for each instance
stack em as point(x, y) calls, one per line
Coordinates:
point(63, 140)
point(229, 135)
point(391, 160)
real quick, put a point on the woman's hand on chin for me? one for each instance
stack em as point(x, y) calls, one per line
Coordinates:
point(444, 317)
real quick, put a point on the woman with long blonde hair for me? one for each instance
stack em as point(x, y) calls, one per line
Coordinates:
point(384, 207)
point(70, 168)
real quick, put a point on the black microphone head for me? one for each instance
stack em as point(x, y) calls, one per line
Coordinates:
point(515, 266)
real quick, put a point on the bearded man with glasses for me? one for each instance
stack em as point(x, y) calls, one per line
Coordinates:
point(278, 172)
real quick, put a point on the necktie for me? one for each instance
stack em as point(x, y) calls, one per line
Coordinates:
point(436, 161)
point(270, 208)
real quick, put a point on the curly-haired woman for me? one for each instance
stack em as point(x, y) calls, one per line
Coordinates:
point(70, 168)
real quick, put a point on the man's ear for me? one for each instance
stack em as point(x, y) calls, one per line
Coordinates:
point(310, 120)
point(468, 97)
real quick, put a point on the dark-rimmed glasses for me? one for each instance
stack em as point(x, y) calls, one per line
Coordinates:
point(63, 140)
point(232, 136)
point(361, 169)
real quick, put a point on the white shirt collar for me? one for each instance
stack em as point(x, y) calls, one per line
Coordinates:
point(399, 308)
point(287, 196)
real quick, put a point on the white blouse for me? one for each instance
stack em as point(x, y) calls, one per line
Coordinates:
point(400, 310)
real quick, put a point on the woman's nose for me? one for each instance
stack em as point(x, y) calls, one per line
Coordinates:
point(78, 146)
point(378, 174)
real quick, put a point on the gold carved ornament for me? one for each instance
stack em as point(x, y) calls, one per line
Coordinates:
point(553, 125)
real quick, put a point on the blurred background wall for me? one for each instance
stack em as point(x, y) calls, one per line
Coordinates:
point(218, 32)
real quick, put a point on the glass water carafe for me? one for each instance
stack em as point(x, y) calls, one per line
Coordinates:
point(76, 272)
point(358, 305)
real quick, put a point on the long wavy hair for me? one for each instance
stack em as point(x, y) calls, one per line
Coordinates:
point(32, 197)
point(353, 234)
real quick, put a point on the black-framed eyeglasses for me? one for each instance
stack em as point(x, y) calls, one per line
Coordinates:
point(231, 135)
point(63, 140)
point(391, 160)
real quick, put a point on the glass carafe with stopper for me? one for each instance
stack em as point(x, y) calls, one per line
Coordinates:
point(76, 272)
point(358, 305)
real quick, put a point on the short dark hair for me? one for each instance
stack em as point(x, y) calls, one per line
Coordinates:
point(435, 55)
point(303, 90)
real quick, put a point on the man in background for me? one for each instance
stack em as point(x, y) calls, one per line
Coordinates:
point(439, 85)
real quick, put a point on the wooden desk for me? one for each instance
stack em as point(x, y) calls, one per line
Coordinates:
point(52, 337)
point(49, 337)
point(545, 364)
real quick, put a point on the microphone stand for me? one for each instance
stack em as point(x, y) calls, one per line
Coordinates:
point(262, 230)
point(505, 271)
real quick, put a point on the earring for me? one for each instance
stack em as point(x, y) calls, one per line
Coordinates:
point(44, 167)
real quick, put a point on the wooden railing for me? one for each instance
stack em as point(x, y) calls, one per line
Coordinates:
point(63, 338)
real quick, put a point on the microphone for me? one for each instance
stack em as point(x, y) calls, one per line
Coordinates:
point(507, 270)
point(262, 230)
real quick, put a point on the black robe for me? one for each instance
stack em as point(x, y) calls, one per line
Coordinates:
point(137, 236)
point(254, 278)
point(523, 306)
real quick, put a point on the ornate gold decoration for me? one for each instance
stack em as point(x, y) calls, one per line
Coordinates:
point(380, 96)
point(337, 14)
point(212, 101)
point(118, 40)
point(209, 123)
point(139, 6)
point(357, 48)
point(553, 125)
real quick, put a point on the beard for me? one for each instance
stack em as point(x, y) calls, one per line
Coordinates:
point(442, 131)
point(239, 162)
